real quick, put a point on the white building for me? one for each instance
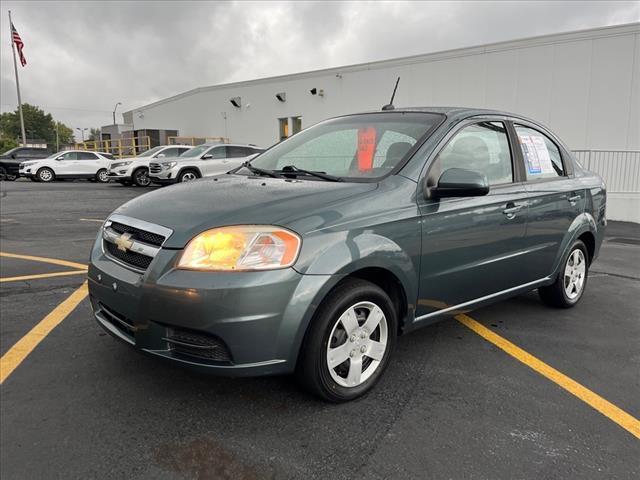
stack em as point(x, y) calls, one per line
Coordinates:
point(584, 85)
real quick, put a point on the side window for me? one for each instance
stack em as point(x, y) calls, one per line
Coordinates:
point(481, 147)
point(542, 157)
point(218, 153)
point(237, 152)
point(86, 156)
point(70, 156)
point(182, 150)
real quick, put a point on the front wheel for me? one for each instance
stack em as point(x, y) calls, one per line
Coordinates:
point(45, 175)
point(141, 177)
point(4, 175)
point(569, 286)
point(187, 176)
point(349, 342)
point(102, 176)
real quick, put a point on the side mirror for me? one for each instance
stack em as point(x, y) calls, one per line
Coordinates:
point(161, 155)
point(207, 156)
point(61, 157)
point(459, 182)
point(13, 155)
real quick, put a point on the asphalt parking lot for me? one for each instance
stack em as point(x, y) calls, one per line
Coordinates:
point(451, 404)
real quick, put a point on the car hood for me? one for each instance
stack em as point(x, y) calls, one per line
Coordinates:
point(191, 208)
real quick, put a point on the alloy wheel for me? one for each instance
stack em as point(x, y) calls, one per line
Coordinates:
point(142, 178)
point(357, 344)
point(188, 177)
point(574, 274)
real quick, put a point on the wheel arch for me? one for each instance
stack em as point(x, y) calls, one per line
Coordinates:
point(189, 168)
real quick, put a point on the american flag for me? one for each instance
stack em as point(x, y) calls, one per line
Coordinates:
point(18, 43)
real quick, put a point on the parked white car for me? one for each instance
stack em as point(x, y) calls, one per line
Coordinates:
point(205, 160)
point(135, 170)
point(68, 164)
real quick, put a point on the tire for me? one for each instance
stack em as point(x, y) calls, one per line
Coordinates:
point(353, 301)
point(4, 175)
point(188, 176)
point(568, 288)
point(141, 177)
point(45, 174)
point(102, 176)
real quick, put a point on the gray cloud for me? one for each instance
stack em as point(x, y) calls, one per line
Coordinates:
point(86, 56)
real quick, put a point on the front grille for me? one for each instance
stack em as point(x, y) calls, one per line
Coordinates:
point(200, 345)
point(138, 234)
point(117, 320)
point(134, 259)
point(155, 168)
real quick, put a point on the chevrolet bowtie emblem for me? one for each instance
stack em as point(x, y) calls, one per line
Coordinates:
point(123, 242)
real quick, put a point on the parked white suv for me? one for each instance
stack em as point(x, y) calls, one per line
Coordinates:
point(205, 160)
point(68, 164)
point(135, 170)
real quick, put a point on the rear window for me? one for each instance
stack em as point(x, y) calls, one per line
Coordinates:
point(542, 157)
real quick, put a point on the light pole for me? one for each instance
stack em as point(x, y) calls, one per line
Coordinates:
point(114, 112)
point(82, 130)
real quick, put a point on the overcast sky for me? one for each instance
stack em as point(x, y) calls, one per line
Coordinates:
point(83, 57)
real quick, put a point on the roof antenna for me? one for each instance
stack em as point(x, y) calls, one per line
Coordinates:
point(389, 106)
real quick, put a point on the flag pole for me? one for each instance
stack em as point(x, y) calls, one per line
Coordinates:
point(15, 68)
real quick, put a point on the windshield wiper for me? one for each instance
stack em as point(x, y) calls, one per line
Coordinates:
point(257, 171)
point(292, 169)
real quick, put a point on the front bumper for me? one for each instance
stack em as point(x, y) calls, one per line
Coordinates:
point(259, 318)
point(165, 177)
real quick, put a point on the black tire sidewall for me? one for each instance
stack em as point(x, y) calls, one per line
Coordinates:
point(135, 175)
point(335, 305)
point(98, 176)
point(578, 244)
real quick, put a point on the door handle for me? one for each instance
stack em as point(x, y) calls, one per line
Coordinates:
point(511, 210)
point(573, 199)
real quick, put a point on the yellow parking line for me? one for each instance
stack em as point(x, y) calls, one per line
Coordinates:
point(41, 275)
point(54, 261)
point(609, 410)
point(21, 350)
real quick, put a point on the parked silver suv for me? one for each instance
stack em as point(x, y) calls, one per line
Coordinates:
point(205, 160)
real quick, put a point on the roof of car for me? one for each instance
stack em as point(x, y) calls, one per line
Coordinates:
point(460, 112)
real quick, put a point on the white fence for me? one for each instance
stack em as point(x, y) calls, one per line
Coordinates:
point(621, 172)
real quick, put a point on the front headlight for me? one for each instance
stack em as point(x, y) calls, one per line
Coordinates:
point(168, 165)
point(243, 247)
point(124, 164)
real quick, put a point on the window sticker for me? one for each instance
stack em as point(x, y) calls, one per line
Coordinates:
point(366, 148)
point(536, 154)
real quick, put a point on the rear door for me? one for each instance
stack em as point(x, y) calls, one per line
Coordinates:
point(555, 198)
point(472, 246)
point(88, 164)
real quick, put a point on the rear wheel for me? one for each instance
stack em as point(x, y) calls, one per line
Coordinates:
point(349, 342)
point(102, 176)
point(187, 176)
point(141, 177)
point(45, 174)
point(569, 286)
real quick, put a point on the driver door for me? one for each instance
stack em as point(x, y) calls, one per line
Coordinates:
point(472, 247)
point(213, 163)
point(66, 163)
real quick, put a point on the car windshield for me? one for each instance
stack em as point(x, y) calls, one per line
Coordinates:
point(150, 152)
point(196, 151)
point(10, 151)
point(367, 146)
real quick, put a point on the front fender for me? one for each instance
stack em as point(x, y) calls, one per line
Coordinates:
point(343, 253)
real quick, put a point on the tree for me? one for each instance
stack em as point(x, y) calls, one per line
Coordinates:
point(39, 125)
point(7, 143)
point(94, 134)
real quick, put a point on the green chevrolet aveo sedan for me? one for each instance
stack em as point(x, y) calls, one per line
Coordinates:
point(314, 257)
